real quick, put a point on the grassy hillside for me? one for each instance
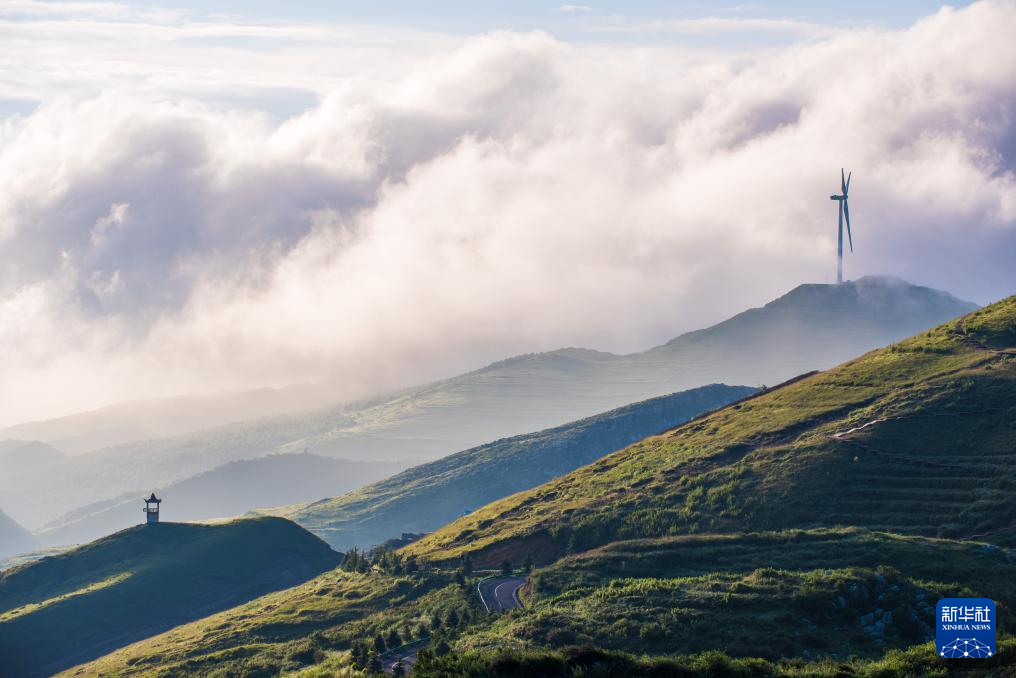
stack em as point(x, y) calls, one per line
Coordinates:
point(918, 438)
point(299, 627)
point(811, 327)
point(426, 497)
point(229, 490)
point(88, 601)
point(835, 510)
point(834, 593)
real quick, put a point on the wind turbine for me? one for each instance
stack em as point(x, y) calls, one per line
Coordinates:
point(844, 212)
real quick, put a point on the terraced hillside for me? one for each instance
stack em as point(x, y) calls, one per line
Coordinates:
point(426, 497)
point(917, 438)
point(88, 601)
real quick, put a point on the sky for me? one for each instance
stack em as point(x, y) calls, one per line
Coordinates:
point(205, 197)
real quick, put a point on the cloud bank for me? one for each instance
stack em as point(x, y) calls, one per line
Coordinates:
point(512, 194)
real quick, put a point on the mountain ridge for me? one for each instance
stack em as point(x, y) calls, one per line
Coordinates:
point(425, 497)
point(526, 393)
point(719, 469)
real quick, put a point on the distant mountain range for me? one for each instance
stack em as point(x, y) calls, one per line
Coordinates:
point(161, 417)
point(14, 538)
point(78, 605)
point(229, 490)
point(426, 497)
point(811, 327)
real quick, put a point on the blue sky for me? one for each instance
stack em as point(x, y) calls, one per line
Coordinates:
point(563, 19)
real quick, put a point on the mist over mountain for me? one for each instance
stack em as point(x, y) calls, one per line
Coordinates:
point(229, 490)
point(14, 538)
point(811, 327)
point(161, 417)
point(425, 497)
point(19, 456)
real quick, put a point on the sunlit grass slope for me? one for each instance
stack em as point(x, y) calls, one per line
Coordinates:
point(935, 457)
point(833, 593)
point(292, 629)
point(83, 603)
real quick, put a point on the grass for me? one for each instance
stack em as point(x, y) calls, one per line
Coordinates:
point(302, 627)
point(83, 603)
point(579, 662)
point(823, 590)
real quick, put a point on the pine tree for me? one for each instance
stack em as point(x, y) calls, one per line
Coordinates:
point(506, 568)
point(394, 640)
point(435, 622)
point(374, 665)
point(379, 643)
point(359, 653)
point(527, 566)
point(453, 620)
point(467, 565)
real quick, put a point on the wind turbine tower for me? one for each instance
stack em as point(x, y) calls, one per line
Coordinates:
point(844, 214)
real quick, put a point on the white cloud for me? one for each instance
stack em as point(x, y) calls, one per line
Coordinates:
point(514, 194)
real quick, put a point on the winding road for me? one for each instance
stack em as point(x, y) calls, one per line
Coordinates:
point(407, 653)
point(500, 593)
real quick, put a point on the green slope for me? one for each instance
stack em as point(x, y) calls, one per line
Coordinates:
point(927, 446)
point(425, 497)
point(136, 583)
point(819, 595)
point(834, 593)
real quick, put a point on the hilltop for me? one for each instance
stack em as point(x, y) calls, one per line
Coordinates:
point(229, 490)
point(811, 327)
point(426, 497)
point(78, 605)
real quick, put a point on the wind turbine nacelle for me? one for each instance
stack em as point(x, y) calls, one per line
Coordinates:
point(836, 197)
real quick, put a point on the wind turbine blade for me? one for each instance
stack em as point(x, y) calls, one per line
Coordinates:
point(843, 182)
point(846, 213)
point(847, 187)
